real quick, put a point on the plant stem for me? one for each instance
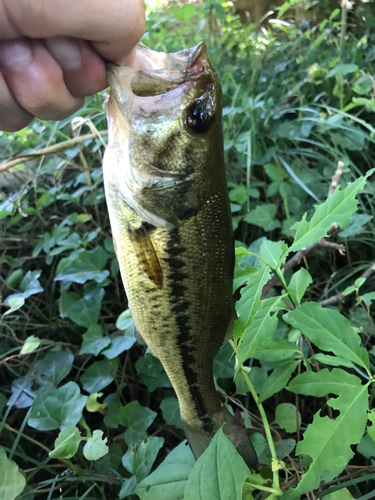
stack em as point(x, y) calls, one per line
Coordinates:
point(276, 479)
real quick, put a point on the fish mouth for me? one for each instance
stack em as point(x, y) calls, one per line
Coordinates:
point(159, 75)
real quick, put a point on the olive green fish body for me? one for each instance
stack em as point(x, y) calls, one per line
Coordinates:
point(170, 216)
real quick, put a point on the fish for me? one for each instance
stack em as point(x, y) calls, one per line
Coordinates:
point(167, 197)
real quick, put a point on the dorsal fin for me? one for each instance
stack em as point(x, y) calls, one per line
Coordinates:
point(147, 254)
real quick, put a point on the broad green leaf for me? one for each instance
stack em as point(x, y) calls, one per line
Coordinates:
point(366, 446)
point(137, 419)
point(224, 362)
point(111, 418)
point(139, 460)
point(152, 372)
point(14, 278)
point(169, 479)
point(328, 441)
point(99, 375)
point(298, 285)
point(29, 286)
point(355, 224)
point(337, 208)
point(125, 321)
point(264, 216)
point(94, 341)
point(274, 172)
point(271, 251)
point(277, 380)
point(186, 12)
point(342, 494)
point(83, 310)
point(12, 482)
point(368, 298)
point(31, 343)
point(171, 411)
point(250, 302)
point(128, 487)
point(59, 408)
point(262, 329)
point(286, 417)
point(14, 304)
point(326, 359)
point(55, 366)
point(329, 330)
point(219, 473)
point(238, 194)
point(275, 351)
point(88, 265)
point(92, 403)
point(363, 85)
point(119, 344)
point(96, 446)
point(67, 442)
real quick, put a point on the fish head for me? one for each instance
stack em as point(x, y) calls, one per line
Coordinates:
point(165, 134)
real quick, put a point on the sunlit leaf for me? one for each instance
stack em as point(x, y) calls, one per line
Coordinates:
point(12, 482)
point(67, 442)
point(286, 417)
point(96, 446)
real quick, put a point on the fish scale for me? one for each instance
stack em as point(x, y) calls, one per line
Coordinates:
point(171, 223)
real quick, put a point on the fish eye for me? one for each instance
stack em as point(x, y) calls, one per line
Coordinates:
point(199, 116)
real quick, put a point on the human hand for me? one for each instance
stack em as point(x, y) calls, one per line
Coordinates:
point(52, 54)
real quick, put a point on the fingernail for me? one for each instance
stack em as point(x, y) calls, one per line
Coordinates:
point(65, 52)
point(15, 54)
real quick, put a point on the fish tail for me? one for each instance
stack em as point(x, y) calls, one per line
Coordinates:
point(199, 434)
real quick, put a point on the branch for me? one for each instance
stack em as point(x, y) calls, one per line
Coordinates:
point(55, 148)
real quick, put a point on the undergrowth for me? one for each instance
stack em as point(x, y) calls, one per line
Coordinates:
point(89, 413)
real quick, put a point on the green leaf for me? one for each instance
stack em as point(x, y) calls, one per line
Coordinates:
point(99, 375)
point(169, 479)
point(186, 12)
point(12, 482)
point(94, 341)
point(30, 284)
point(345, 69)
point(96, 446)
point(93, 405)
point(275, 351)
point(219, 473)
point(14, 278)
point(139, 460)
point(125, 321)
point(368, 298)
point(326, 359)
point(88, 265)
point(262, 329)
point(355, 224)
point(119, 344)
point(224, 362)
point(363, 85)
point(84, 310)
point(277, 380)
point(250, 302)
point(337, 208)
point(55, 366)
point(58, 408)
point(137, 419)
point(329, 330)
point(286, 417)
point(152, 372)
point(298, 285)
point(274, 172)
point(328, 441)
point(238, 194)
point(264, 216)
point(31, 343)
point(67, 442)
point(271, 252)
point(171, 411)
point(14, 304)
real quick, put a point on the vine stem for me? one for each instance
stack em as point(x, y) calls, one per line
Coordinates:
point(276, 479)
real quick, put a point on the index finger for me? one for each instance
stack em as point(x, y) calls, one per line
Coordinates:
point(113, 26)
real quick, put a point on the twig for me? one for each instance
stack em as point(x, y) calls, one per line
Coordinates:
point(55, 148)
point(336, 178)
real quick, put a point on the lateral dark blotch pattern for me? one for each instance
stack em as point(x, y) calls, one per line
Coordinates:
point(180, 307)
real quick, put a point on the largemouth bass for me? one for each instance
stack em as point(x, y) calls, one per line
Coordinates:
point(169, 210)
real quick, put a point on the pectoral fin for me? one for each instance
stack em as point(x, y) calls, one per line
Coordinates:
point(147, 255)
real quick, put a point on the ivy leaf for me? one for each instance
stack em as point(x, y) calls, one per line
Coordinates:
point(368, 298)
point(31, 343)
point(152, 372)
point(354, 226)
point(96, 446)
point(99, 375)
point(92, 404)
point(58, 408)
point(328, 441)
point(337, 208)
point(83, 310)
point(277, 380)
point(171, 411)
point(12, 482)
point(250, 302)
point(119, 344)
point(139, 460)
point(137, 419)
point(88, 265)
point(220, 472)
point(55, 366)
point(286, 417)
point(298, 285)
point(14, 303)
point(262, 329)
point(67, 442)
point(94, 341)
point(125, 322)
point(169, 479)
point(264, 216)
point(29, 286)
point(329, 330)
